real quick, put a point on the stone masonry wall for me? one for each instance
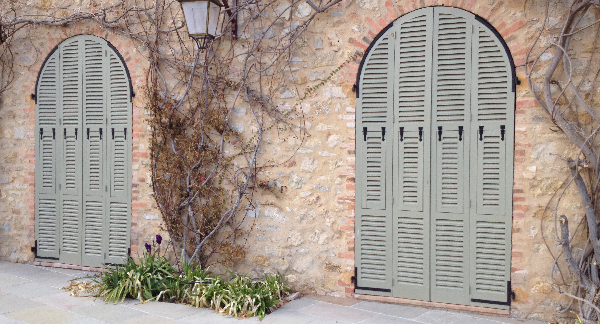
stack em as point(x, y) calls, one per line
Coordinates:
point(307, 231)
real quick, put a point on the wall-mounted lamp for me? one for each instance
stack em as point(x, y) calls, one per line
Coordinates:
point(201, 18)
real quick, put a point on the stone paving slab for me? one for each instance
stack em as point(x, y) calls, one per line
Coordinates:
point(44, 315)
point(30, 294)
point(167, 310)
point(32, 289)
point(64, 300)
point(150, 319)
point(108, 313)
point(10, 303)
point(337, 312)
point(386, 319)
point(10, 280)
point(402, 311)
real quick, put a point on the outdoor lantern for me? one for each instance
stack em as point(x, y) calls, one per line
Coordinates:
point(201, 17)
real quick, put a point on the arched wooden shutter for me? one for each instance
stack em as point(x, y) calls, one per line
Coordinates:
point(450, 155)
point(119, 157)
point(492, 146)
point(412, 129)
point(71, 76)
point(83, 155)
point(445, 235)
point(47, 206)
point(374, 147)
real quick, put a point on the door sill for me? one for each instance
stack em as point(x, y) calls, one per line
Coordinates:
point(41, 263)
point(421, 303)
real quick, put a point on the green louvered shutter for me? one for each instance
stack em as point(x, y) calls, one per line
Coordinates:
point(71, 75)
point(47, 207)
point(119, 155)
point(374, 140)
point(412, 115)
point(491, 171)
point(450, 163)
point(95, 186)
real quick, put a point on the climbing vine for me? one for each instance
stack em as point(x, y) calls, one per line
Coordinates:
point(205, 169)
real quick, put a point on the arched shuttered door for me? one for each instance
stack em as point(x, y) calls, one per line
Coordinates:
point(435, 138)
point(83, 154)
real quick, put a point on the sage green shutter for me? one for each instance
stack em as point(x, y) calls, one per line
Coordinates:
point(374, 141)
point(83, 154)
point(94, 153)
point(71, 75)
point(450, 162)
point(491, 174)
point(412, 114)
point(119, 161)
point(47, 208)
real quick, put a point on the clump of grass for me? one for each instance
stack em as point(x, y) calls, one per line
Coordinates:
point(153, 278)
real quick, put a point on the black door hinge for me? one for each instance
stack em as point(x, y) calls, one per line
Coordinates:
point(420, 134)
point(53, 133)
point(365, 133)
point(112, 130)
point(502, 132)
point(401, 134)
point(460, 132)
point(481, 133)
point(383, 134)
point(439, 133)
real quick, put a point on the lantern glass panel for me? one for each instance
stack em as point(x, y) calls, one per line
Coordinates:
point(196, 16)
point(213, 18)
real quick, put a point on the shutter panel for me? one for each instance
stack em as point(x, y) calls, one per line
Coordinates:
point(47, 207)
point(71, 75)
point(450, 185)
point(491, 216)
point(94, 158)
point(374, 151)
point(412, 110)
point(119, 155)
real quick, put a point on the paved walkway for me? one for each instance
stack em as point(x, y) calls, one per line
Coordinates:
point(30, 294)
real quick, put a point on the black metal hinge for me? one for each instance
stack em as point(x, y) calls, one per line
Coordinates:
point(383, 134)
point(34, 249)
point(365, 134)
point(401, 134)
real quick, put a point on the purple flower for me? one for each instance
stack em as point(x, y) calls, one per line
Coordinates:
point(158, 239)
point(148, 247)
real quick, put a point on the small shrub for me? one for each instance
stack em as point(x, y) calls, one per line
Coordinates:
point(142, 281)
point(153, 278)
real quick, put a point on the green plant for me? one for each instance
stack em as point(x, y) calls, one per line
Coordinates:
point(142, 281)
point(153, 278)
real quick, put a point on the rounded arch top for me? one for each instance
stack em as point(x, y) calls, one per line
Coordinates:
point(410, 15)
point(54, 54)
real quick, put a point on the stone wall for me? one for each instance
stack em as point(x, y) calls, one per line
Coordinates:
point(306, 232)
